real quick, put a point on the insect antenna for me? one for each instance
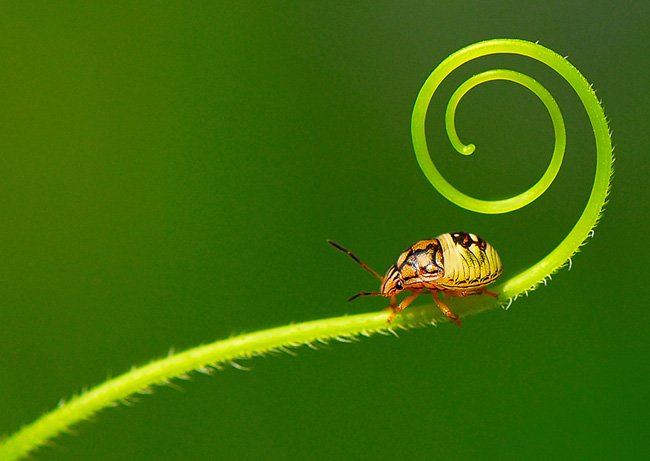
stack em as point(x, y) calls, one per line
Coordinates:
point(361, 263)
point(364, 293)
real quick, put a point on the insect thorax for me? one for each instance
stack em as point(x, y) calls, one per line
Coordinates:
point(417, 266)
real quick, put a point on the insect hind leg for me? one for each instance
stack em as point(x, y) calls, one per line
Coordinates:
point(445, 309)
point(485, 291)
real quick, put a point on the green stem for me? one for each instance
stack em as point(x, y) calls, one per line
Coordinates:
point(202, 358)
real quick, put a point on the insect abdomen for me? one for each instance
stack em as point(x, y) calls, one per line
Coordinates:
point(469, 261)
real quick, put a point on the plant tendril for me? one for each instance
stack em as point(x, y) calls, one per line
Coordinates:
point(537, 273)
point(212, 356)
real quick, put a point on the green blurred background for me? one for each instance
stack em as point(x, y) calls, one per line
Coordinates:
point(170, 173)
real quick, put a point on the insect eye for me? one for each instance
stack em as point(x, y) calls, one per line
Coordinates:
point(399, 285)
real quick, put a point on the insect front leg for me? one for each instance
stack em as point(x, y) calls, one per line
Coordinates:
point(445, 309)
point(401, 306)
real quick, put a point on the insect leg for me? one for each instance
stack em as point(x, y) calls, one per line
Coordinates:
point(489, 293)
point(445, 309)
point(401, 306)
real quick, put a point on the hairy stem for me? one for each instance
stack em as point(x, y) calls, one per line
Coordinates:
point(203, 358)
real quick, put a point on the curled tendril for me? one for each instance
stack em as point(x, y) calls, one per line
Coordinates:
point(561, 255)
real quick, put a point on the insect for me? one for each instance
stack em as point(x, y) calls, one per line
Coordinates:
point(454, 264)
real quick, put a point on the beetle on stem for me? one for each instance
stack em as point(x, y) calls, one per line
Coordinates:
point(454, 264)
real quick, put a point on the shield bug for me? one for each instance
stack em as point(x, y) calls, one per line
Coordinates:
point(454, 264)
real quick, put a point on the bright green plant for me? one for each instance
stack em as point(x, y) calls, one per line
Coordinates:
point(205, 358)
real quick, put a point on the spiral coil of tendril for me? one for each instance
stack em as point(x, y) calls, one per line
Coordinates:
point(559, 256)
